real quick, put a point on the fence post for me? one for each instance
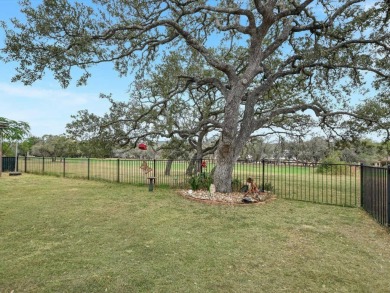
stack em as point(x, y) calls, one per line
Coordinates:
point(118, 168)
point(89, 166)
point(388, 195)
point(154, 168)
point(361, 185)
point(64, 167)
point(263, 176)
point(43, 165)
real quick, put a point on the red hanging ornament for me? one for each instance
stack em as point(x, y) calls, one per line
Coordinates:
point(142, 146)
point(204, 164)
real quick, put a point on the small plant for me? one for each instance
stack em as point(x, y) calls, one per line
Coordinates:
point(236, 184)
point(193, 181)
point(201, 181)
point(267, 186)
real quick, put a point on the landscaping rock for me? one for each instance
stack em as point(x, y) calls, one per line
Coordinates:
point(225, 198)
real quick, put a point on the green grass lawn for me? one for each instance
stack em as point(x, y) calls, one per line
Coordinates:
point(70, 235)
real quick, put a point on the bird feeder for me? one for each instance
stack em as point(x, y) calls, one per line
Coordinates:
point(143, 146)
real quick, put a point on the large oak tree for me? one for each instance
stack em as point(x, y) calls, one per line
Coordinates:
point(269, 60)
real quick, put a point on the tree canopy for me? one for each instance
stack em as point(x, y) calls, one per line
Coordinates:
point(13, 130)
point(275, 65)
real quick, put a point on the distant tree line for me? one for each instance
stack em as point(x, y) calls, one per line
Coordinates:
point(311, 150)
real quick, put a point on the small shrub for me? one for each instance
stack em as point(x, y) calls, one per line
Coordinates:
point(194, 182)
point(267, 186)
point(201, 181)
point(236, 184)
point(332, 165)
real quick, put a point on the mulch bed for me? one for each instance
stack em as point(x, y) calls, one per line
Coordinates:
point(233, 198)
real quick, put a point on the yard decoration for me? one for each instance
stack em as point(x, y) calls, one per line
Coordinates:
point(143, 146)
point(145, 167)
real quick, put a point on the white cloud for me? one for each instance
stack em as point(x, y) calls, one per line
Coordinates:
point(65, 97)
point(46, 110)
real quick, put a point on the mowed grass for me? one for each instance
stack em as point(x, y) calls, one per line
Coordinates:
point(70, 235)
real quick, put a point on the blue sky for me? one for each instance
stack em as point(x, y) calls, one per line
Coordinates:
point(45, 105)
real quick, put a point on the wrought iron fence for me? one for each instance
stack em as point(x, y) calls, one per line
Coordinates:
point(8, 164)
point(376, 192)
point(335, 184)
point(329, 184)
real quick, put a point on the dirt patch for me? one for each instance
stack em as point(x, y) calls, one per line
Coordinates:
point(233, 198)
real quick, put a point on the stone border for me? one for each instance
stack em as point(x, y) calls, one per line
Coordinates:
point(234, 198)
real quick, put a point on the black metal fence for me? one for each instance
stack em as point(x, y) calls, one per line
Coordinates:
point(376, 192)
point(328, 184)
point(335, 184)
point(8, 164)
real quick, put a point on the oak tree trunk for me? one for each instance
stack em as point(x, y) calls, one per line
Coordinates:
point(233, 139)
point(226, 154)
point(224, 170)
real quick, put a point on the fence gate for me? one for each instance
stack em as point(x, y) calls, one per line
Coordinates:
point(9, 164)
point(376, 193)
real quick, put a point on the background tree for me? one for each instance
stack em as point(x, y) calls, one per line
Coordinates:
point(93, 141)
point(55, 146)
point(377, 112)
point(361, 151)
point(26, 145)
point(312, 150)
point(11, 130)
point(14, 130)
point(317, 49)
point(263, 149)
point(384, 148)
point(174, 149)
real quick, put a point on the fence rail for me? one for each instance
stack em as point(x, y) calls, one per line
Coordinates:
point(335, 184)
